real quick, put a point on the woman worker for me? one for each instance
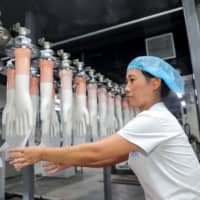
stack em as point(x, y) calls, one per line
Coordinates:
point(154, 142)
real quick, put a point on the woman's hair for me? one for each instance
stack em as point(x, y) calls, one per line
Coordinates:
point(164, 88)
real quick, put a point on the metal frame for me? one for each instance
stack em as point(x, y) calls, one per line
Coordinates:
point(2, 176)
point(193, 34)
point(107, 183)
point(28, 172)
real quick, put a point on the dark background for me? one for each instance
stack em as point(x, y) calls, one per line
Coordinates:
point(109, 52)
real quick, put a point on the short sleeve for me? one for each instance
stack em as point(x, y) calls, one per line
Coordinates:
point(148, 131)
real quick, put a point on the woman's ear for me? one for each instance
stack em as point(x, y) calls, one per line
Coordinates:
point(156, 83)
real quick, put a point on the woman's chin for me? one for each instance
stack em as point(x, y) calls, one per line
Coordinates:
point(132, 104)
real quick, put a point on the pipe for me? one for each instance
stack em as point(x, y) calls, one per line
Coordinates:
point(126, 24)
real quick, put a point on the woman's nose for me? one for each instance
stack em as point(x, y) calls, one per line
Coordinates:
point(127, 88)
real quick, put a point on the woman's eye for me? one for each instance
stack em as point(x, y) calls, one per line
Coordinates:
point(131, 80)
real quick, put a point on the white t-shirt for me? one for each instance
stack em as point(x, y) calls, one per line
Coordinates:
point(166, 167)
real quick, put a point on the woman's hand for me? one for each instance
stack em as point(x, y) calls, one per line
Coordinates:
point(53, 168)
point(22, 157)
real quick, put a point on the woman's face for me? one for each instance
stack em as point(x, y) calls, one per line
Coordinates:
point(141, 93)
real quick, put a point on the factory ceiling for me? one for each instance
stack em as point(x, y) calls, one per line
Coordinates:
point(63, 20)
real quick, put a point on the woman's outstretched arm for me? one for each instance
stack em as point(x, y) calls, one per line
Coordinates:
point(103, 152)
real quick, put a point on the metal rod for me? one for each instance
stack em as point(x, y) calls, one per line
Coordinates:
point(28, 183)
point(126, 24)
point(28, 172)
point(193, 33)
point(2, 176)
point(107, 183)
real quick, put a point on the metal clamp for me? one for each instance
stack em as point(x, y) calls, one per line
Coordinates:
point(4, 35)
point(10, 63)
point(34, 69)
point(91, 74)
point(46, 52)
point(79, 66)
point(65, 61)
point(101, 80)
point(21, 41)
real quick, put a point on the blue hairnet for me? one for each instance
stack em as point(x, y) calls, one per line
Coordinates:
point(161, 69)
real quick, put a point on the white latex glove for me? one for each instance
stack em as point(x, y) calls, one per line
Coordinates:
point(111, 120)
point(66, 102)
point(24, 110)
point(45, 108)
point(35, 104)
point(102, 108)
point(66, 113)
point(118, 109)
point(126, 111)
point(81, 118)
point(92, 109)
point(54, 125)
point(8, 114)
point(66, 105)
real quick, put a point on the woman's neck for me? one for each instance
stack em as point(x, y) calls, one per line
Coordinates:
point(150, 104)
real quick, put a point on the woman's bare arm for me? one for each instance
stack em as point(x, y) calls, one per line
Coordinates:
point(103, 152)
point(106, 163)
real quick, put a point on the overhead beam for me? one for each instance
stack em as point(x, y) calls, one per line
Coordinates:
point(116, 27)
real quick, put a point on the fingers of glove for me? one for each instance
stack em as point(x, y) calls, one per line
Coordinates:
point(79, 129)
point(45, 127)
point(18, 126)
point(67, 113)
point(84, 127)
point(75, 129)
point(4, 115)
point(29, 117)
point(112, 130)
point(22, 131)
point(44, 109)
point(55, 130)
point(56, 125)
point(108, 130)
point(65, 129)
point(51, 131)
point(8, 127)
point(116, 125)
point(94, 131)
point(25, 124)
point(86, 116)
